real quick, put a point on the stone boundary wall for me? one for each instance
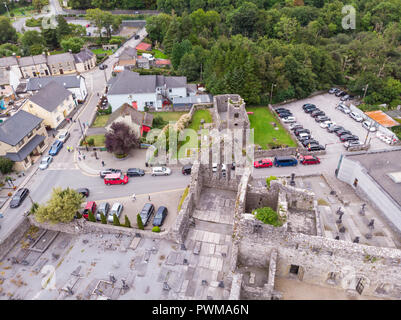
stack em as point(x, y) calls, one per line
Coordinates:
point(316, 93)
point(235, 293)
point(13, 238)
point(320, 257)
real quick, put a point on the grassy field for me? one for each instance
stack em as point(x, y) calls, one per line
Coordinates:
point(56, 52)
point(196, 118)
point(101, 51)
point(169, 116)
point(158, 54)
point(265, 134)
point(99, 139)
point(100, 121)
point(20, 11)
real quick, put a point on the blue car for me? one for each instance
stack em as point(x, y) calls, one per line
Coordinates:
point(56, 147)
point(285, 161)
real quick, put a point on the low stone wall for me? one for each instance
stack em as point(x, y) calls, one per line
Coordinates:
point(291, 151)
point(316, 93)
point(12, 239)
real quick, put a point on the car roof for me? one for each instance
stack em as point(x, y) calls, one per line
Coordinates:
point(113, 175)
point(89, 204)
point(116, 204)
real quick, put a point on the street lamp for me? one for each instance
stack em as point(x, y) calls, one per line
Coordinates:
point(271, 92)
point(83, 134)
point(7, 10)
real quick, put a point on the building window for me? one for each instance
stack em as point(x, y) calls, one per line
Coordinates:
point(294, 269)
point(26, 160)
point(29, 134)
point(21, 143)
point(38, 127)
point(30, 106)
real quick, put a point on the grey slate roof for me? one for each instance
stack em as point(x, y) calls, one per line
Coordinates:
point(83, 56)
point(50, 96)
point(126, 109)
point(8, 61)
point(4, 77)
point(32, 60)
point(27, 149)
point(60, 58)
point(175, 82)
point(202, 98)
point(15, 128)
point(129, 53)
point(128, 82)
point(35, 84)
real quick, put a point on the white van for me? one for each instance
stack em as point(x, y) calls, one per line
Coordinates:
point(161, 171)
point(368, 126)
point(148, 56)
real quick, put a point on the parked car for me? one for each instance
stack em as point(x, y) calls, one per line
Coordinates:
point(83, 191)
point(308, 105)
point(295, 125)
point(161, 171)
point(343, 108)
point(299, 131)
point(333, 90)
point(307, 142)
point(264, 163)
point(322, 118)
point(345, 98)
point(146, 213)
point(90, 206)
point(281, 110)
point(285, 115)
point(45, 162)
point(285, 161)
point(116, 209)
point(309, 160)
point(187, 169)
point(115, 178)
point(160, 215)
point(368, 126)
point(352, 143)
point(340, 132)
point(103, 66)
point(304, 136)
point(340, 93)
point(356, 116)
point(63, 135)
point(105, 172)
point(135, 172)
point(19, 197)
point(348, 137)
point(136, 36)
point(55, 148)
point(326, 124)
point(316, 147)
point(334, 128)
point(310, 109)
point(289, 120)
point(104, 208)
point(317, 113)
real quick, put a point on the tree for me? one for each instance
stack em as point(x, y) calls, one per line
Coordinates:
point(178, 51)
point(103, 218)
point(62, 206)
point(189, 66)
point(39, 4)
point(121, 139)
point(243, 19)
point(268, 216)
point(116, 221)
point(287, 28)
point(6, 165)
point(127, 223)
point(96, 17)
point(139, 222)
point(63, 28)
point(31, 38)
point(51, 39)
point(8, 32)
point(74, 44)
point(157, 26)
point(91, 216)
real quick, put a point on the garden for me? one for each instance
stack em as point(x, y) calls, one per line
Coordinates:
point(266, 134)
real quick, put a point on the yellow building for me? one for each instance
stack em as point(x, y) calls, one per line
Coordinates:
point(62, 63)
point(23, 138)
point(53, 103)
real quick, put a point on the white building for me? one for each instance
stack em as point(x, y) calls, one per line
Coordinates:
point(148, 90)
point(73, 83)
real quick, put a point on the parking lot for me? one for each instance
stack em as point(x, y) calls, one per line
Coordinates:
point(327, 103)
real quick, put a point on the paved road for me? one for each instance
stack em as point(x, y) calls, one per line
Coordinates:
point(63, 171)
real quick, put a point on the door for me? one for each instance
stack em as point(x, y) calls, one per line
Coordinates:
point(61, 71)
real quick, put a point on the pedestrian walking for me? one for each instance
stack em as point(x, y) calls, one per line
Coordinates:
point(84, 157)
point(149, 197)
point(72, 149)
point(102, 163)
point(79, 158)
point(134, 197)
point(79, 152)
point(68, 148)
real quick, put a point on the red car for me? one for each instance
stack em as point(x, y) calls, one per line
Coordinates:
point(115, 178)
point(90, 206)
point(309, 160)
point(264, 163)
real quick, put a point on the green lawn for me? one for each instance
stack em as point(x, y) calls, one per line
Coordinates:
point(21, 11)
point(101, 51)
point(99, 139)
point(169, 116)
point(56, 52)
point(264, 131)
point(158, 54)
point(196, 118)
point(100, 121)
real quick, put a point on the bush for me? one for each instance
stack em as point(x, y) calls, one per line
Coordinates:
point(268, 216)
point(116, 221)
point(79, 215)
point(34, 207)
point(139, 222)
point(155, 229)
point(6, 165)
point(103, 218)
point(91, 142)
point(127, 223)
point(115, 41)
point(268, 179)
point(91, 217)
point(104, 111)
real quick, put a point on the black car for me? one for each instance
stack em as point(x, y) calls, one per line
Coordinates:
point(103, 66)
point(322, 118)
point(316, 147)
point(285, 115)
point(146, 212)
point(160, 215)
point(341, 132)
point(309, 141)
point(136, 36)
point(348, 137)
point(334, 128)
point(298, 126)
point(297, 132)
point(105, 172)
point(187, 169)
point(135, 172)
point(340, 93)
point(317, 113)
point(308, 105)
point(83, 191)
point(18, 197)
point(278, 110)
point(310, 109)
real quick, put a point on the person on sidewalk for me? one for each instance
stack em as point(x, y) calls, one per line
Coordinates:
point(102, 163)
point(134, 197)
point(68, 148)
point(149, 197)
point(84, 157)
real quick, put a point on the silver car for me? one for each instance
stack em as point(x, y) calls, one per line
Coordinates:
point(104, 208)
point(63, 135)
point(44, 163)
point(116, 209)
